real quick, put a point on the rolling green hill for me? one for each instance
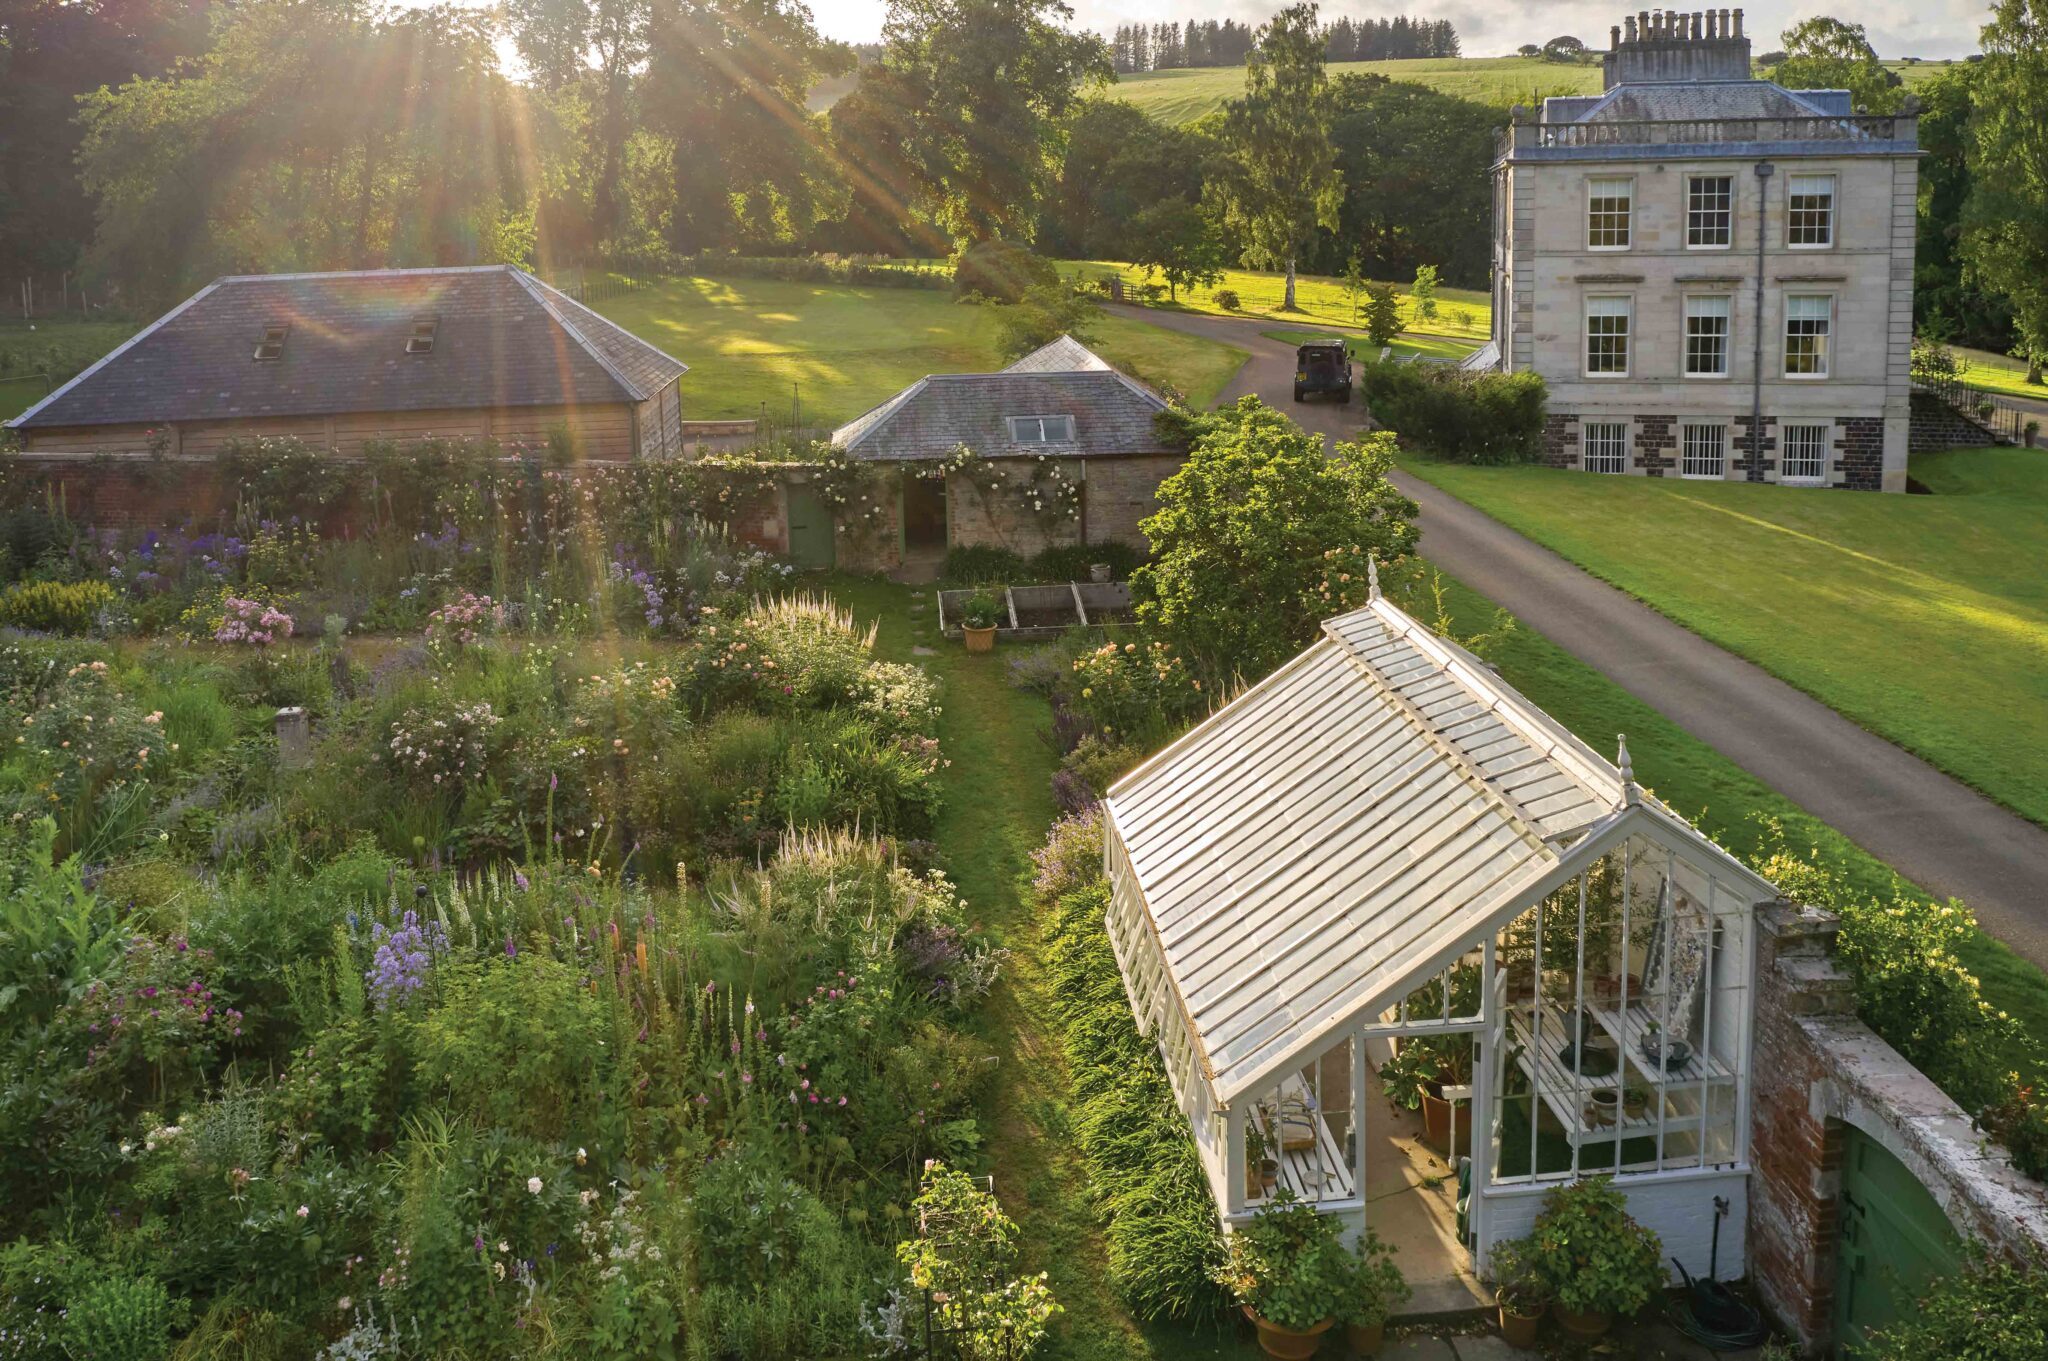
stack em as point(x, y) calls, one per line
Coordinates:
point(1183, 96)
point(1178, 97)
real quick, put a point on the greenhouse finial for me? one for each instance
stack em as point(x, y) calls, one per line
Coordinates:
point(1628, 770)
point(1372, 577)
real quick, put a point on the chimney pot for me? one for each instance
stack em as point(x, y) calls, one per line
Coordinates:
point(1738, 23)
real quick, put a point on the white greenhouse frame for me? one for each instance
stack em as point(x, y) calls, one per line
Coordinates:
point(1383, 814)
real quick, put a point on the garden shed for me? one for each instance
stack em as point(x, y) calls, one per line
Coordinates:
point(1381, 868)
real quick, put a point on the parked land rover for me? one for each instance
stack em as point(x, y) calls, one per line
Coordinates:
point(1322, 366)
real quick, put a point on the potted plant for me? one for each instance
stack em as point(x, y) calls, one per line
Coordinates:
point(1635, 1101)
point(1376, 1288)
point(1605, 1103)
point(1519, 1290)
point(1597, 1261)
point(1288, 1271)
point(979, 617)
point(1261, 1168)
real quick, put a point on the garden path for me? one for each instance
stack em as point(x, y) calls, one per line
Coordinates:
point(1932, 829)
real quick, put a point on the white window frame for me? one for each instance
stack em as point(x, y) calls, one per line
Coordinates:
point(1042, 427)
point(1620, 453)
point(1684, 433)
point(420, 339)
point(1819, 476)
point(1628, 187)
point(1690, 244)
point(1827, 339)
point(1685, 369)
point(1628, 335)
point(1834, 209)
point(270, 344)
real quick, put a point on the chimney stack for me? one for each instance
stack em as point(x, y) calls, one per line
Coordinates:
point(1666, 47)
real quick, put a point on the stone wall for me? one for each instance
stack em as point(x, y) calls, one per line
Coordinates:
point(1860, 440)
point(1753, 463)
point(1561, 441)
point(1936, 425)
point(1819, 1071)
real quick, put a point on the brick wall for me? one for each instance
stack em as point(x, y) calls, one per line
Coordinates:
point(1755, 464)
point(1561, 441)
point(1935, 425)
point(1860, 440)
point(1656, 444)
point(1817, 1072)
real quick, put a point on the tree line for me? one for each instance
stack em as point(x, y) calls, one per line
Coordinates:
point(1171, 47)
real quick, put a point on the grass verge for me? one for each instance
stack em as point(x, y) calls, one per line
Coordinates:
point(1461, 312)
point(1922, 618)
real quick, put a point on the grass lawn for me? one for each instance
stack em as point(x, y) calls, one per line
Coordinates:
point(35, 360)
point(1991, 372)
point(1426, 347)
point(1177, 97)
point(764, 345)
point(1923, 618)
point(1463, 312)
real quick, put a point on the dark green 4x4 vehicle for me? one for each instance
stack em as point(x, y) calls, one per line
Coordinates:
point(1322, 366)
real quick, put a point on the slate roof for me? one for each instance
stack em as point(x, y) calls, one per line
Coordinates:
point(940, 412)
point(1065, 355)
point(503, 339)
point(1695, 100)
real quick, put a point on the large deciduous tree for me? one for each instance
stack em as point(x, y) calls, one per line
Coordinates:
point(726, 85)
point(1278, 178)
point(963, 120)
point(314, 135)
point(2005, 224)
point(1948, 305)
point(1824, 53)
point(1261, 534)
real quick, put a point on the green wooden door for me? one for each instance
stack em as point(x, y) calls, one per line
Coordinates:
point(1894, 1240)
point(810, 529)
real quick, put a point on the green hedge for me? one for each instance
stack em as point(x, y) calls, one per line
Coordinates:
point(1143, 1173)
point(1465, 417)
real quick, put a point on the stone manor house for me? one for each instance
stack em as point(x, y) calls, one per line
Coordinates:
point(1713, 273)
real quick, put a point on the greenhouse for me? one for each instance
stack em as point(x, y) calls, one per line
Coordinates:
point(1382, 874)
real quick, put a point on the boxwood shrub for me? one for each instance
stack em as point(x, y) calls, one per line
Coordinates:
point(1448, 413)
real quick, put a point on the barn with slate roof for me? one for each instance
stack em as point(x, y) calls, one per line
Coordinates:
point(342, 358)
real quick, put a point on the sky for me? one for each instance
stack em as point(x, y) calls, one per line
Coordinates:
point(1898, 28)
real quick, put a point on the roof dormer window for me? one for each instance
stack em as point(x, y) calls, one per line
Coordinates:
point(421, 341)
point(271, 346)
point(1041, 429)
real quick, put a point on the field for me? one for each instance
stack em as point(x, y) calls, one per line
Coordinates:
point(1922, 618)
point(1317, 297)
point(36, 359)
point(1183, 96)
point(2000, 373)
point(763, 346)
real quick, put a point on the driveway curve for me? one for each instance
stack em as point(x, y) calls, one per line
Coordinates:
point(1937, 832)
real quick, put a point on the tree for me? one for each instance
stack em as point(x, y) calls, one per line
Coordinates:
point(1118, 160)
point(1424, 292)
point(1176, 240)
point(1947, 304)
point(963, 120)
point(726, 84)
point(1528, 50)
point(1827, 54)
point(1382, 314)
point(1564, 48)
point(1278, 179)
point(1417, 189)
point(2005, 224)
point(559, 40)
point(1261, 534)
point(314, 135)
point(1354, 282)
point(1042, 315)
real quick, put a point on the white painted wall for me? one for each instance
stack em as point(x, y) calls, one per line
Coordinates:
point(1678, 1206)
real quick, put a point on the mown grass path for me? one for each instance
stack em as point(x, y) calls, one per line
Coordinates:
point(998, 806)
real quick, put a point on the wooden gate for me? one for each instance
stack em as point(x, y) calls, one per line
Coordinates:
point(810, 528)
point(1894, 1240)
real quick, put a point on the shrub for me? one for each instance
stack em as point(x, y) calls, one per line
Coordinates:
point(981, 564)
point(55, 606)
point(1437, 409)
point(1382, 314)
point(1377, 1284)
point(1992, 1310)
point(1072, 561)
point(122, 1317)
point(1001, 270)
point(983, 610)
point(962, 1259)
point(1131, 691)
point(781, 1274)
point(1227, 299)
point(1596, 1259)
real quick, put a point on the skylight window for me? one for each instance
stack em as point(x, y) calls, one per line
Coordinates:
point(421, 341)
point(271, 346)
point(1042, 429)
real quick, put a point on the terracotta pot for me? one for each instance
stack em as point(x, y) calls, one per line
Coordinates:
point(1436, 1123)
point(1519, 1330)
point(1584, 1327)
point(1364, 1339)
point(980, 640)
point(1287, 1344)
